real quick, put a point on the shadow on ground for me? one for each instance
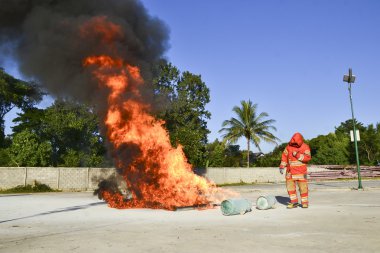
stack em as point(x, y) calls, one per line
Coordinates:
point(282, 200)
point(3, 195)
point(61, 210)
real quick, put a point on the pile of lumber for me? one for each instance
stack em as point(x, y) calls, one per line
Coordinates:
point(348, 172)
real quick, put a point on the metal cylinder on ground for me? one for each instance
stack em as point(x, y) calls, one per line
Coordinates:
point(235, 206)
point(266, 202)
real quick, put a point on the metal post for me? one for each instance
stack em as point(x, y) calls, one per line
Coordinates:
point(355, 140)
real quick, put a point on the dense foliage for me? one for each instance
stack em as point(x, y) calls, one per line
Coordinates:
point(273, 158)
point(28, 149)
point(64, 134)
point(330, 149)
point(15, 93)
point(181, 99)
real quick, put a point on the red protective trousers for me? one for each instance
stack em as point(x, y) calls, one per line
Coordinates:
point(291, 181)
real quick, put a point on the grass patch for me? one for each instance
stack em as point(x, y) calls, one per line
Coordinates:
point(37, 187)
point(235, 184)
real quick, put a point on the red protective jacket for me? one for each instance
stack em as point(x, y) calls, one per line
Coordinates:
point(296, 155)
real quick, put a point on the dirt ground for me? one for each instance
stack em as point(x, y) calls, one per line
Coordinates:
point(339, 219)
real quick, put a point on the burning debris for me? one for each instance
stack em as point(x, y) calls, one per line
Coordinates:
point(100, 52)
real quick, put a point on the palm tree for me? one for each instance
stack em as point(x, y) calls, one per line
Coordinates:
point(249, 124)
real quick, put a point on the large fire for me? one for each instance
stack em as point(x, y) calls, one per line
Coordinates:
point(157, 175)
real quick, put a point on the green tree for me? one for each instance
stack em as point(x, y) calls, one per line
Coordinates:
point(15, 93)
point(27, 150)
point(181, 100)
point(71, 129)
point(32, 119)
point(369, 145)
point(273, 158)
point(233, 156)
point(5, 158)
point(329, 149)
point(249, 124)
point(347, 126)
point(74, 127)
point(343, 132)
point(216, 153)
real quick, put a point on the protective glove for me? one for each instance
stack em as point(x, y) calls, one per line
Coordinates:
point(281, 171)
point(298, 155)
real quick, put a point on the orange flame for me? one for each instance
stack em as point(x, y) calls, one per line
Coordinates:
point(157, 175)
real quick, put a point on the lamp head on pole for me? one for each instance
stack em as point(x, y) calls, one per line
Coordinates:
point(350, 78)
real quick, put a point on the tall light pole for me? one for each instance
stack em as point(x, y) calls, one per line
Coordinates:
point(351, 79)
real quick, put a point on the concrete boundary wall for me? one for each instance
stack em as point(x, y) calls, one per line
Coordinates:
point(249, 175)
point(81, 179)
point(66, 179)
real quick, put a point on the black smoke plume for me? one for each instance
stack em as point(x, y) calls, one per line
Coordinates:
point(49, 41)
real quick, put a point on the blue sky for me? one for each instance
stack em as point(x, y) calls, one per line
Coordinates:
point(289, 57)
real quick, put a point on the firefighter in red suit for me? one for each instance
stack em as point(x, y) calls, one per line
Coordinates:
point(294, 159)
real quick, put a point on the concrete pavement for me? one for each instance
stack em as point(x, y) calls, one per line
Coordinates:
point(339, 220)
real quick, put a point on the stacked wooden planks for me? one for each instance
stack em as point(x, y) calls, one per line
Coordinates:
point(340, 172)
